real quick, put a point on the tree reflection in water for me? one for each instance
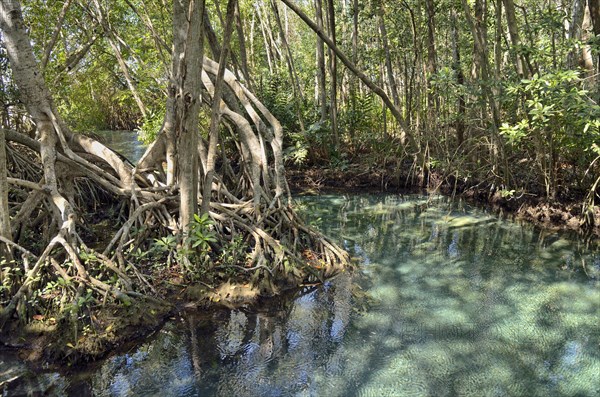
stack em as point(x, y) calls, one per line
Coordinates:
point(461, 303)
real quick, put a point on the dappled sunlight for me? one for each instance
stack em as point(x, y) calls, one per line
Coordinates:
point(457, 303)
point(462, 304)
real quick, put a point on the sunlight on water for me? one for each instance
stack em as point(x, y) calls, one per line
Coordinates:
point(458, 303)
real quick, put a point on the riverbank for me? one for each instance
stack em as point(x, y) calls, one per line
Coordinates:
point(556, 215)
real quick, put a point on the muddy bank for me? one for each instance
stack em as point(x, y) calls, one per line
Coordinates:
point(557, 215)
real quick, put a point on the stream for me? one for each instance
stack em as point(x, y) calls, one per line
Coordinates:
point(449, 300)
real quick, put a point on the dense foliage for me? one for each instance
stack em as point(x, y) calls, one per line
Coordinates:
point(519, 112)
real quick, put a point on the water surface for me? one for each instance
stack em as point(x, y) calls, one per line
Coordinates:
point(123, 142)
point(449, 301)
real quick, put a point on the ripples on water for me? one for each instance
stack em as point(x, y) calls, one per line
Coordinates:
point(462, 304)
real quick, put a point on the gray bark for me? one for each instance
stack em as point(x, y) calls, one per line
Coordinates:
point(333, 73)
point(4, 210)
point(321, 77)
point(37, 99)
point(187, 33)
point(216, 111)
point(513, 30)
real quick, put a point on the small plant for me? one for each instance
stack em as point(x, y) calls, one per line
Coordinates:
point(168, 245)
point(201, 233)
point(507, 194)
point(235, 252)
point(10, 275)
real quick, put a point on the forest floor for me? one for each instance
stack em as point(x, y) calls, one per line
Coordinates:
point(556, 215)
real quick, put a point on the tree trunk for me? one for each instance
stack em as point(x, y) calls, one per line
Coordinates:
point(121, 61)
point(37, 99)
point(497, 40)
point(575, 31)
point(321, 79)
point(460, 80)
point(594, 9)
point(513, 30)
point(587, 59)
point(216, 108)
point(296, 88)
point(267, 44)
point(54, 39)
point(388, 58)
point(333, 111)
point(432, 98)
point(482, 67)
point(187, 34)
point(239, 26)
point(5, 230)
point(211, 36)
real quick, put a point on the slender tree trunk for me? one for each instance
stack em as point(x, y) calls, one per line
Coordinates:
point(587, 59)
point(211, 36)
point(594, 9)
point(239, 26)
point(333, 111)
point(56, 34)
point(483, 68)
point(460, 80)
point(216, 108)
point(277, 55)
point(388, 58)
point(321, 76)
point(498, 40)
point(355, 33)
point(575, 30)
point(268, 46)
point(513, 30)
point(187, 32)
point(432, 98)
point(110, 36)
point(296, 88)
point(5, 230)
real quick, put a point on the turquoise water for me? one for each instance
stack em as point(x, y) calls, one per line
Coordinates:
point(449, 301)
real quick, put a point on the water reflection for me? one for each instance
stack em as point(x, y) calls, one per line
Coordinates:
point(464, 304)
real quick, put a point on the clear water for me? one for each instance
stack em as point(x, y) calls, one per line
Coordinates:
point(124, 142)
point(460, 303)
